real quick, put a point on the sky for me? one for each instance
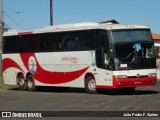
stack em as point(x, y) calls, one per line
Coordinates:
point(35, 14)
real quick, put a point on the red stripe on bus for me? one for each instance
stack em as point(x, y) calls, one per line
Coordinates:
point(25, 33)
point(51, 77)
point(57, 77)
point(8, 63)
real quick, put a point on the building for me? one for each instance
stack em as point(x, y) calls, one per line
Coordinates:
point(156, 38)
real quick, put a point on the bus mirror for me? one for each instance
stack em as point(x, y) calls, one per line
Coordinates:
point(93, 63)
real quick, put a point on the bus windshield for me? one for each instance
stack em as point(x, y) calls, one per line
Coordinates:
point(127, 57)
point(131, 35)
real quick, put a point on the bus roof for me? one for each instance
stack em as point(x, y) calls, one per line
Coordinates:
point(74, 27)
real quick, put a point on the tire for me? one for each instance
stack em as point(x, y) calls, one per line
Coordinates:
point(31, 83)
point(90, 85)
point(22, 83)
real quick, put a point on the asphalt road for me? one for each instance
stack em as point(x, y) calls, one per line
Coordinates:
point(143, 99)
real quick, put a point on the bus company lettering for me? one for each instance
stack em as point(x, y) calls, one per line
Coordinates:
point(73, 60)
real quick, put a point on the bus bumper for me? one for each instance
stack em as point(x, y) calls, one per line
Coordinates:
point(134, 82)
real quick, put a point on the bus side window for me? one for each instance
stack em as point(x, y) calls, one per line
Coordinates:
point(62, 43)
point(102, 38)
point(13, 45)
point(22, 42)
point(45, 44)
point(73, 41)
point(58, 41)
point(88, 39)
point(6, 46)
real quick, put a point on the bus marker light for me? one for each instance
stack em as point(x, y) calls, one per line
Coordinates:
point(120, 76)
point(152, 74)
point(137, 82)
point(121, 83)
point(152, 82)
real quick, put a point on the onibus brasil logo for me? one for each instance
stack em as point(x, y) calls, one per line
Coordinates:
point(32, 65)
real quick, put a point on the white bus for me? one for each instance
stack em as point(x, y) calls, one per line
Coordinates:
point(82, 55)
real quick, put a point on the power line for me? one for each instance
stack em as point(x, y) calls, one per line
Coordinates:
point(14, 20)
point(7, 26)
point(28, 26)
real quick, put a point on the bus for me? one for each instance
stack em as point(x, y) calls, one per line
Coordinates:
point(92, 56)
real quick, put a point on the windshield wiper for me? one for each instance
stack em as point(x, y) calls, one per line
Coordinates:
point(127, 56)
point(133, 59)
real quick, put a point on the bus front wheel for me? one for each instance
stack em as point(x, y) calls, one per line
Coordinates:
point(22, 83)
point(90, 85)
point(30, 83)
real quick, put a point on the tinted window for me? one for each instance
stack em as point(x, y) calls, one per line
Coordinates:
point(58, 42)
point(10, 45)
point(44, 42)
point(50, 42)
point(101, 38)
point(88, 40)
point(131, 35)
point(28, 43)
point(73, 41)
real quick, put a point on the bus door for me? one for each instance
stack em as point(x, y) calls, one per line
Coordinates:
point(103, 63)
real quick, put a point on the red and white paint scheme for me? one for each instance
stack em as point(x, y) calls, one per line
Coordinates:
point(74, 68)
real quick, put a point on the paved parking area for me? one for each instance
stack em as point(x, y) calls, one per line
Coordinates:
point(143, 99)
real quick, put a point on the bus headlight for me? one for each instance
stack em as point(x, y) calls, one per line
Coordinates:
point(120, 76)
point(152, 75)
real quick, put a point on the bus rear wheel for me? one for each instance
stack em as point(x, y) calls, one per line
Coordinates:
point(90, 85)
point(31, 83)
point(22, 83)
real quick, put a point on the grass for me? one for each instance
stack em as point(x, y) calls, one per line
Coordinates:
point(2, 85)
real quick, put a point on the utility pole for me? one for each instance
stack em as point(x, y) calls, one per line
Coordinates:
point(1, 31)
point(51, 12)
point(1, 24)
